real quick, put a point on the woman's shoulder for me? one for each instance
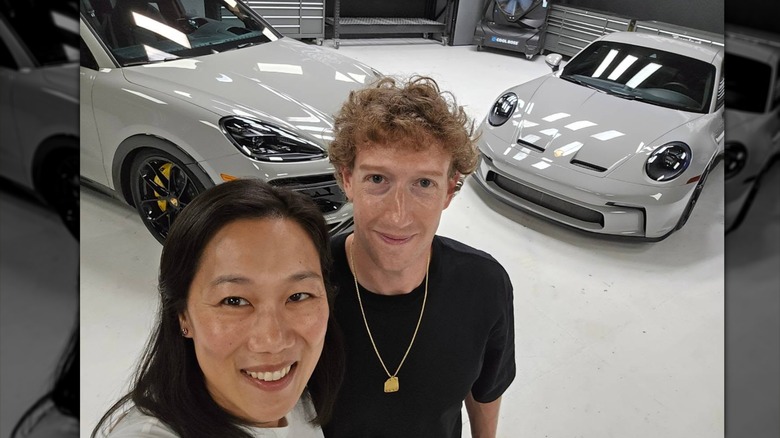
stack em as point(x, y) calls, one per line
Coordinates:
point(299, 420)
point(47, 421)
point(134, 424)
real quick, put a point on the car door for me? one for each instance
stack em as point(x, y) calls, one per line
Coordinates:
point(10, 151)
point(91, 163)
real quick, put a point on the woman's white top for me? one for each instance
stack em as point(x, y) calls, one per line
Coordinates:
point(48, 422)
point(137, 424)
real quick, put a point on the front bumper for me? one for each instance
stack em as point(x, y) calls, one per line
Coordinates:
point(315, 179)
point(587, 202)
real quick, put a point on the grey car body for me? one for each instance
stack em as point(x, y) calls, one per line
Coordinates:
point(39, 103)
point(752, 115)
point(575, 151)
point(178, 103)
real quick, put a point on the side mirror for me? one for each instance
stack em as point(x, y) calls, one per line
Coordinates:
point(553, 60)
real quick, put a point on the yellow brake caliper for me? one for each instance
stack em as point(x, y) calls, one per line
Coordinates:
point(165, 169)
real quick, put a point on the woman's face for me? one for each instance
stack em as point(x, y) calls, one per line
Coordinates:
point(257, 312)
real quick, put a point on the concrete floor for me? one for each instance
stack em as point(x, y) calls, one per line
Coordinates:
point(614, 339)
point(39, 265)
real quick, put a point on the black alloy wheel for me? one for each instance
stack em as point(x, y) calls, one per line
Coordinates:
point(161, 187)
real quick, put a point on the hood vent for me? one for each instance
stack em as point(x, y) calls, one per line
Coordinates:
point(588, 165)
point(522, 142)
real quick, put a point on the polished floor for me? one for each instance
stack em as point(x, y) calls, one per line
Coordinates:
point(39, 265)
point(614, 338)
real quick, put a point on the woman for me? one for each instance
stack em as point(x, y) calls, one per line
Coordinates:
point(244, 345)
point(56, 413)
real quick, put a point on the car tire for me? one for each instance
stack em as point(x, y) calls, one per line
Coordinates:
point(696, 192)
point(59, 186)
point(161, 187)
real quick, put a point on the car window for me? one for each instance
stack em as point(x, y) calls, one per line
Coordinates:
point(776, 88)
point(6, 58)
point(87, 58)
point(747, 83)
point(142, 31)
point(47, 28)
point(645, 74)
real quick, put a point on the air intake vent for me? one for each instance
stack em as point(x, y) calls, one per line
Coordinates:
point(544, 200)
point(520, 141)
point(588, 166)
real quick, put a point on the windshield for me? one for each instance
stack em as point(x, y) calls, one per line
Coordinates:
point(747, 83)
point(47, 28)
point(642, 73)
point(141, 31)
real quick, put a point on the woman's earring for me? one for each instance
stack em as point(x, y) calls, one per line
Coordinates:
point(184, 331)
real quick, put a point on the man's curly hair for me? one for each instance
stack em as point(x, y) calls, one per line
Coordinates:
point(412, 114)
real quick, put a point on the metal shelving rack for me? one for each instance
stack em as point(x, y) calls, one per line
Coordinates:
point(671, 30)
point(569, 29)
point(385, 25)
point(294, 18)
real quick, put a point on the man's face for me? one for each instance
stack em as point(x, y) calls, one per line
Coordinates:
point(398, 196)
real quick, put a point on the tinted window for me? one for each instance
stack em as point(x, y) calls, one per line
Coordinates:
point(6, 59)
point(747, 83)
point(645, 74)
point(48, 28)
point(87, 59)
point(143, 31)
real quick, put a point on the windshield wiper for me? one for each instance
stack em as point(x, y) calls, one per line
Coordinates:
point(155, 61)
point(625, 95)
point(241, 46)
point(581, 82)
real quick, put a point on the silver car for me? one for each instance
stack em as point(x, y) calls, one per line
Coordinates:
point(619, 142)
point(180, 95)
point(39, 136)
point(752, 116)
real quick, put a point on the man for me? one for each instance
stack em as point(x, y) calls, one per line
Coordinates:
point(428, 321)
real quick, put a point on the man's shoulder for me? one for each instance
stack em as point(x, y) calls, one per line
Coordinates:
point(458, 252)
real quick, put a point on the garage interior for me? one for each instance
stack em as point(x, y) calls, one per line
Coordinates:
point(613, 337)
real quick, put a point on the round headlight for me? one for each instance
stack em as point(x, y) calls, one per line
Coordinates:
point(503, 109)
point(266, 142)
point(669, 161)
point(735, 156)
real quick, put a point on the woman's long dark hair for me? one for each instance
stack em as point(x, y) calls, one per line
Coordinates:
point(64, 393)
point(169, 383)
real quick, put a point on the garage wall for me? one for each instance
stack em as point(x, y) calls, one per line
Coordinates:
point(759, 14)
point(706, 15)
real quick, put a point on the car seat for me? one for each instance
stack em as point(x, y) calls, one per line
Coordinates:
point(123, 28)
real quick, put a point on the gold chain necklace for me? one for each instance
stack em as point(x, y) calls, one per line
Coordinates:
point(391, 384)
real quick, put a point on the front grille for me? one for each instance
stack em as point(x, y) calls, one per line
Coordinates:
point(323, 189)
point(544, 200)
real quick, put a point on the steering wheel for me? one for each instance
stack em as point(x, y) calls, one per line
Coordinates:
point(190, 24)
point(676, 86)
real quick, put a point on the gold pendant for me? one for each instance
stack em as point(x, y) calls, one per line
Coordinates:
point(391, 384)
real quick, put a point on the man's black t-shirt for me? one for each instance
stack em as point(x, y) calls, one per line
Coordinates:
point(465, 344)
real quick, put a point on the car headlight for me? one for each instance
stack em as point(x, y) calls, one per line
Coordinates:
point(266, 142)
point(669, 161)
point(503, 109)
point(735, 156)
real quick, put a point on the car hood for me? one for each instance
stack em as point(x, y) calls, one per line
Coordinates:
point(62, 80)
point(588, 126)
point(284, 82)
point(741, 119)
